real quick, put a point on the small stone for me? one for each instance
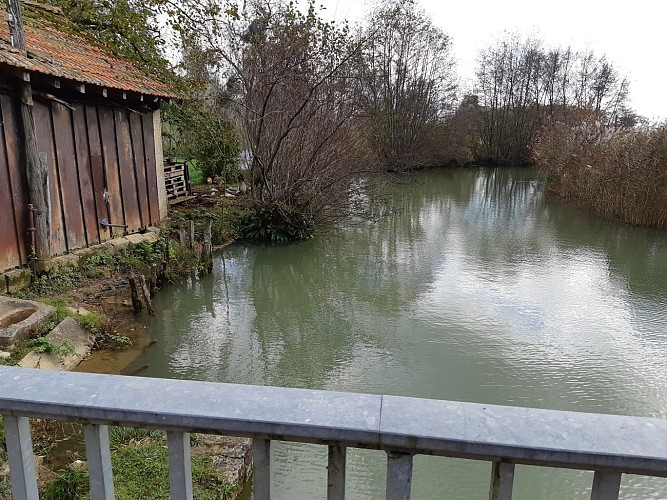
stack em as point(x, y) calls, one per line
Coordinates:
point(78, 310)
point(76, 465)
point(5, 355)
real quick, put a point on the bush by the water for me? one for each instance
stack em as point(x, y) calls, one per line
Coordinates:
point(621, 173)
point(273, 222)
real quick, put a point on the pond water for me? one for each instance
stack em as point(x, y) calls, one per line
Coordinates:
point(472, 285)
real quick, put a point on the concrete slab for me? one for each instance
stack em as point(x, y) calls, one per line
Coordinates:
point(67, 333)
point(84, 253)
point(140, 238)
point(78, 310)
point(17, 279)
point(116, 244)
point(245, 410)
point(19, 318)
point(524, 435)
point(69, 259)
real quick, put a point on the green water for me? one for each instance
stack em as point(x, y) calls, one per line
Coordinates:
point(470, 285)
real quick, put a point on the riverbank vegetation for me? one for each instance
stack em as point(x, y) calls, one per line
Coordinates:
point(140, 462)
point(298, 107)
point(139, 459)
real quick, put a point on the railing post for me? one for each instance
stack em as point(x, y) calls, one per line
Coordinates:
point(606, 485)
point(399, 475)
point(98, 454)
point(336, 473)
point(261, 463)
point(21, 459)
point(502, 480)
point(180, 467)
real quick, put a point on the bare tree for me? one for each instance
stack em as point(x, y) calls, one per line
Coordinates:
point(523, 87)
point(408, 82)
point(291, 77)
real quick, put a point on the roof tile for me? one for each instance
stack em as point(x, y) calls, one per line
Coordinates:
point(65, 55)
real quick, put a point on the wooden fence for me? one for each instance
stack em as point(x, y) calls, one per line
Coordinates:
point(101, 162)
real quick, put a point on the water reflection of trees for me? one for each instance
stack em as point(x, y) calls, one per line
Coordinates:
point(314, 300)
point(507, 218)
point(298, 314)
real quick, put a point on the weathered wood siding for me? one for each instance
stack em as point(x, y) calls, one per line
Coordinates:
point(91, 149)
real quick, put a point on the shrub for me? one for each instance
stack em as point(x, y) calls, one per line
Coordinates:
point(273, 222)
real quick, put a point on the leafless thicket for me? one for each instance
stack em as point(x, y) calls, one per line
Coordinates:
point(523, 87)
point(408, 83)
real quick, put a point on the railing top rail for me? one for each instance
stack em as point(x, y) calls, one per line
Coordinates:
point(467, 430)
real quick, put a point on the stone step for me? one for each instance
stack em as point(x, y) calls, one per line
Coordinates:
point(67, 333)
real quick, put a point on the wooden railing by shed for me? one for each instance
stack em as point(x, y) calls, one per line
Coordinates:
point(610, 445)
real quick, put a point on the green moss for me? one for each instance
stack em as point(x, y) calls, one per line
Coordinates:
point(8, 361)
point(56, 281)
point(5, 488)
point(3, 445)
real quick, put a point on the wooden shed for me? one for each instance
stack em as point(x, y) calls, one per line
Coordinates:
point(97, 124)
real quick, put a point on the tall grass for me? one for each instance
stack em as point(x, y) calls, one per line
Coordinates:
point(621, 173)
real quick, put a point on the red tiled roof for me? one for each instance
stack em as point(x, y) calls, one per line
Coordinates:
point(64, 55)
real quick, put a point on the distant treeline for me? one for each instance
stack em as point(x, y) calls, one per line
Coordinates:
point(313, 104)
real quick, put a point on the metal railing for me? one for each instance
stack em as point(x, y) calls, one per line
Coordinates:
point(610, 445)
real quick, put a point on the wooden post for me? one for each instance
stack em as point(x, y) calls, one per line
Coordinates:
point(164, 265)
point(38, 182)
point(153, 283)
point(181, 236)
point(36, 163)
point(136, 301)
point(192, 235)
point(207, 248)
point(146, 294)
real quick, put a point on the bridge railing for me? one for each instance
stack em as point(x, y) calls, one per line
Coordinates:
point(610, 445)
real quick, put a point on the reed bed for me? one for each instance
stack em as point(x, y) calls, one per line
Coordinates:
point(620, 173)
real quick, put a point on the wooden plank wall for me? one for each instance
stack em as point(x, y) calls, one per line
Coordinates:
point(91, 149)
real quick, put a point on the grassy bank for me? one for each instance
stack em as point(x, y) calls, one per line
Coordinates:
point(617, 172)
point(140, 462)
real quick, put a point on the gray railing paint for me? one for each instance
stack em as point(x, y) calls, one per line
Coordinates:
point(608, 444)
point(98, 454)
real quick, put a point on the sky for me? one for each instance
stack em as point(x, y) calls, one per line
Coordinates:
point(633, 35)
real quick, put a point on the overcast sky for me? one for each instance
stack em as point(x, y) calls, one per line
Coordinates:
point(633, 35)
